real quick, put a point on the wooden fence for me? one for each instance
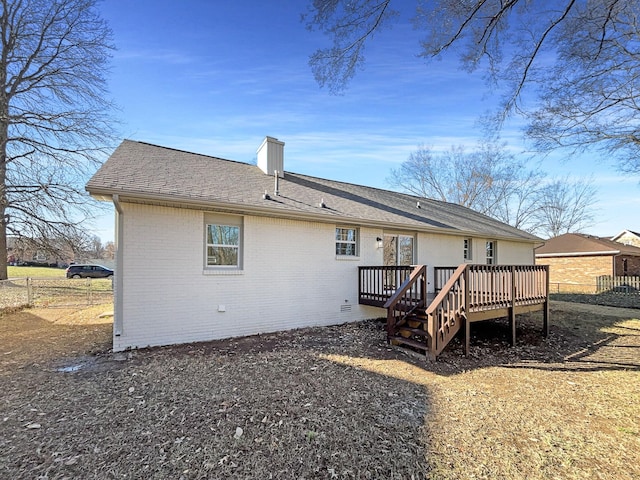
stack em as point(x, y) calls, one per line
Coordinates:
point(623, 284)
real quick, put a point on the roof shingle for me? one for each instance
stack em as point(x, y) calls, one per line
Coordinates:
point(138, 170)
point(582, 244)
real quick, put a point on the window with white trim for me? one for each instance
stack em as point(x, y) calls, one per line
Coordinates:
point(467, 251)
point(223, 238)
point(492, 252)
point(347, 241)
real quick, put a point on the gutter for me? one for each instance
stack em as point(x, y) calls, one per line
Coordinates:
point(578, 254)
point(326, 217)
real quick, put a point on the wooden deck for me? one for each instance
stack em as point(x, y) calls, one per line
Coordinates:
point(464, 295)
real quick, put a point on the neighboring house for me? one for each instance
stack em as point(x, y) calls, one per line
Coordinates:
point(627, 237)
point(208, 248)
point(25, 251)
point(576, 260)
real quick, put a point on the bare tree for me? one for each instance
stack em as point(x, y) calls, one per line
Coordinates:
point(494, 183)
point(96, 249)
point(54, 115)
point(109, 250)
point(566, 206)
point(581, 58)
point(487, 179)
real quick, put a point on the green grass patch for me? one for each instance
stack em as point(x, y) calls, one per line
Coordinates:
point(35, 272)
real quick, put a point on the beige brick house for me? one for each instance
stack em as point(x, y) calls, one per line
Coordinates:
point(627, 237)
point(576, 260)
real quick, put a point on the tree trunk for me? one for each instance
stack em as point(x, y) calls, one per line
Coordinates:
point(4, 136)
point(3, 200)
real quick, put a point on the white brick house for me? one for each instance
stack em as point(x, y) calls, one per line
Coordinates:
point(207, 249)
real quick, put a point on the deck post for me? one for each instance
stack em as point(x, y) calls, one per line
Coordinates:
point(545, 310)
point(512, 308)
point(467, 322)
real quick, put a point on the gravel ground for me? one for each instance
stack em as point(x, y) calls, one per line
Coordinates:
point(333, 402)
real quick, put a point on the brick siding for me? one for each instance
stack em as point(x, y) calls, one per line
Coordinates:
point(633, 265)
point(576, 274)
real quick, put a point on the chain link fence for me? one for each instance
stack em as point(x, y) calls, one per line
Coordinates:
point(54, 292)
point(595, 294)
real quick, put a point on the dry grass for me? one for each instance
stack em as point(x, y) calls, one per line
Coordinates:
point(322, 403)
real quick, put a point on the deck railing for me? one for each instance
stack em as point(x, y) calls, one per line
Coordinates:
point(447, 311)
point(412, 294)
point(465, 294)
point(377, 284)
point(504, 286)
point(441, 277)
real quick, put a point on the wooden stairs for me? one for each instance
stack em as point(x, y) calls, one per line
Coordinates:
point(471, 293)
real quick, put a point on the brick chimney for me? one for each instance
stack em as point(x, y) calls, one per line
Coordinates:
point(271, 156)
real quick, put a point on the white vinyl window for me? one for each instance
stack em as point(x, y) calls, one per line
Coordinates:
point(347, 241)
point(223, 237)
point(492, 252)
point(467, 249)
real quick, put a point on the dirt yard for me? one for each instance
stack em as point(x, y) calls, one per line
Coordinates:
point(328, 403)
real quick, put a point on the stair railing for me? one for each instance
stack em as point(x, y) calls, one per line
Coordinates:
point(412, 294)
point(447, 311)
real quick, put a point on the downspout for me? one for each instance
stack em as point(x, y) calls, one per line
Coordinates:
point(118, 280)
point(614, 263)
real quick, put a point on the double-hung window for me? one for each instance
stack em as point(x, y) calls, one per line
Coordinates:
point(467, 249)
point(492, 252)
point(223, 242)
point(347, 241)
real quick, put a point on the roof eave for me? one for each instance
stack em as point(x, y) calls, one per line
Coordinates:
point(229, 207)
point(578, 254)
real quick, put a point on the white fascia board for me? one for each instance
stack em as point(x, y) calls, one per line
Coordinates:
point(577, 254)
point(326, 217)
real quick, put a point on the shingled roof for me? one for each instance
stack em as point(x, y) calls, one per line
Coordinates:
point(579, 244)
point(142, 172)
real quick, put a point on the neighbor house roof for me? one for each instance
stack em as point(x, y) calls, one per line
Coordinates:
point(630, 232)
point(579, 244)
point(140, 172)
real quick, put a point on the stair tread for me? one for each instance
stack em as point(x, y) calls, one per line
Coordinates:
point(413, 330)
point(410, 342)
point(416, 318)
point(406, 306)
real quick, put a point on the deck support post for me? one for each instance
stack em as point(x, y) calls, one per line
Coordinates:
point(512, 321)
point(467, 336)
point(545, 309)
point(512, 309)
point(467, 322)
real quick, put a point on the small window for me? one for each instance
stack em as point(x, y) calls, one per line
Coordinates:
point(223, 237)
point(492, 252)
point(347, 241)
point(467, 253)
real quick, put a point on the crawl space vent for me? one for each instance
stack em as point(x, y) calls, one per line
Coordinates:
point(345, 308)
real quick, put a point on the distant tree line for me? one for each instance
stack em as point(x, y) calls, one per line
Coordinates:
point(59, 251)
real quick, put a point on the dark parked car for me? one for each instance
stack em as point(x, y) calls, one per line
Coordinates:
point(89, 271)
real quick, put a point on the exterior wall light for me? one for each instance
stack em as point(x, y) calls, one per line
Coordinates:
point(379, 242)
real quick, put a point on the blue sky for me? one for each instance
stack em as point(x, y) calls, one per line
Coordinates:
point(216, 77)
